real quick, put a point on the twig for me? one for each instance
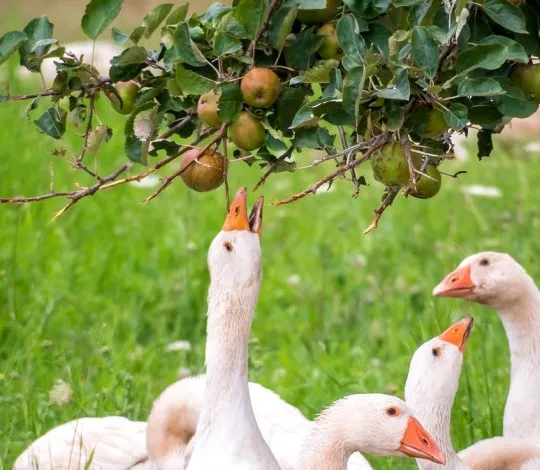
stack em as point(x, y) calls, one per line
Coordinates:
point(167, 181)
point(455, 175)
point(92, 107)
point(349, 154)
point(226, 173)
point(272, 168)
point(91, 190)
point(30, 96)
point(273, 6)
point(392, 193)
point(43, 197)
point(353, 149)
point(177, 127)
point(412, 174)
point(377, 144)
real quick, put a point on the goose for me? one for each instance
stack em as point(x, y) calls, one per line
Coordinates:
point(227, 435)
point(112, 443)
point(498, 281)
point(290, 434)
point(175, 414)
point(430, 390)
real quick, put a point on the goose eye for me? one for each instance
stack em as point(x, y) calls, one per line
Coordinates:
point(392, 411)
point(484, 262)
point(436, 352)
point(228, 246)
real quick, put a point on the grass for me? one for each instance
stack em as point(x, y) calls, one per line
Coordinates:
point(94, 298)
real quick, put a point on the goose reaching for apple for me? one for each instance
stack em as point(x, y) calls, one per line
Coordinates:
point(430, 390)
point(498, 281)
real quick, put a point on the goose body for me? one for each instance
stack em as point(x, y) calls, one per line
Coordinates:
point(175, 414)
point(498, 281)
point(112, 443)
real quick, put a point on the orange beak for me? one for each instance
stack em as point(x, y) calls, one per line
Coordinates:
point(237, 218)
point(456, 284)
point(418, 443)
point(458, 334)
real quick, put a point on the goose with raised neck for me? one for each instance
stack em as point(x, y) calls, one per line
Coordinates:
point(500, 282)
point(227, 435)
point(430, 391)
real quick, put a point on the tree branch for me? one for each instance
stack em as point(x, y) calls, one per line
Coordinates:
point(273, 7)
point(378, 142)
point(392, 193)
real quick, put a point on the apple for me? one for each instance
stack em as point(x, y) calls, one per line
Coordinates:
point(207, 109)
point(206, 172)
point(319, 16)
point(329, 48)
point(389, 165)
point(247, 132)
point(260, 87)
point(122, 101)
point(426, 187)
point(527, 78)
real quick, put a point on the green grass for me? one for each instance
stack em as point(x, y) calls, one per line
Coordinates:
point(94, 298)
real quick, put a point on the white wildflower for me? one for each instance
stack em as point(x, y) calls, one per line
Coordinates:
point(485, 191)
point(183, 372)
point(294, 279)
point(180, 345)
point(61, 393)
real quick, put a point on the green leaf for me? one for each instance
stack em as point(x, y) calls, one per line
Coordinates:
point(304, 118)
point(43, 45)
point(119, 37)
point(287, 105)
point(214, 12)
point(336, 84)
point(353, 84)
point(506, 14)
point(135, 149)
point(320, 73)
point(153, 19)
point(401, 90)
point(184, 49)
point(98, 15)
point(230, 102)
point(191, 83)
point(425, 51)
point(482, 56)
point(484, 86)
point(250, 14)
point(456, 116)
point(395, 115)
point(226, 44)
point(9, 43)
point(37, 30)
point(301, 51)
point(485, 115)
point(515, 50)
point(123, 74)
point(313, 138)
point(137, 34)
point(515, 104)
point(178, 15)
point(52, 122)
point(131, 56)
point(485, 143)
point(351, 43)
point(281, 26)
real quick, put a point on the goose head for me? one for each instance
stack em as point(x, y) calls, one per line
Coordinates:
point(381, 425)
point(436, 366)
point(234, 256)
point(490, 278)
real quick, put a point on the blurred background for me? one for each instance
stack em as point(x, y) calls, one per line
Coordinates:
point(102, 309)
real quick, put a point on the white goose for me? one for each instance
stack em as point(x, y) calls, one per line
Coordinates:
point(227, 434)
point(112, 443)
point(175, 414)
point(430, 390)
point(353, 424)
point(498, 281)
